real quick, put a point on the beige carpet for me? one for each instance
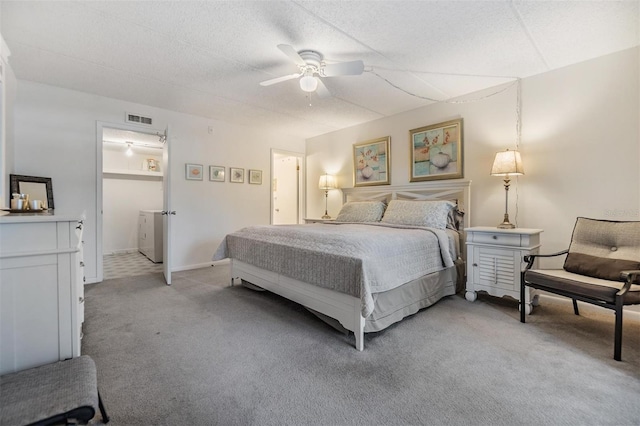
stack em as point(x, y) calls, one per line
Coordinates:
point(202, 353)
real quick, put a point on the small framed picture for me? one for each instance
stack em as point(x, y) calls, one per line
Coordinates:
point(193, 171)
point(236, 175)
point(216, 173)
point(255, 177)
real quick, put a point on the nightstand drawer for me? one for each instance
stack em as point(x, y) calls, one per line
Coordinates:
point(495, 238)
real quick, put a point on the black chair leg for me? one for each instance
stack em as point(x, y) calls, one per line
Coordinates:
point(617, 346)
point(575, 307)
point(103, 412)
point(522, 308)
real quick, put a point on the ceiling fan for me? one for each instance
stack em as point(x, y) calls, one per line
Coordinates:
point(312, 68)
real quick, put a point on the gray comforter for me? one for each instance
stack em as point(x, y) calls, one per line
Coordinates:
point(357, 259)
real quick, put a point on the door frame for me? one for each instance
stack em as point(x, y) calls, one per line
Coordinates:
point(166, 206)
point(100, 125)
point(301, 182)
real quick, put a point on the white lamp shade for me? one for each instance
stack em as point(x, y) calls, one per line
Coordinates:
point(327, 182)
point(308, 83)
point(507, 163)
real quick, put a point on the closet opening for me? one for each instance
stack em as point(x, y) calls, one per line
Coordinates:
point(132, 202)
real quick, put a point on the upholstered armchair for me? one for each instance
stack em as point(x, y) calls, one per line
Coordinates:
point(602, 267)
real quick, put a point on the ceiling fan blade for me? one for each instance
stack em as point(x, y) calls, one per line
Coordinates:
point(322, 90)
point(291, 53)
point(343, 68)
point(280, 79)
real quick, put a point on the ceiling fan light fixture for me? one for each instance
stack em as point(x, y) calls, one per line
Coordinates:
point(308, 83)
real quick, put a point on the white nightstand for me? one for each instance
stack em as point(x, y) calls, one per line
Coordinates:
point(308, 220)
point(495, 261)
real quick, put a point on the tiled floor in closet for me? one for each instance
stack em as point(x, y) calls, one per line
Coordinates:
point(127, 265)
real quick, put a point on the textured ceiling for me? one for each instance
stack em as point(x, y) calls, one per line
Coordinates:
point(207, 58)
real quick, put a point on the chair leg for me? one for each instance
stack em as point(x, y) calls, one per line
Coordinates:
point(575, 307)
point(617, 346)
point(522, 308)
point(103, 412)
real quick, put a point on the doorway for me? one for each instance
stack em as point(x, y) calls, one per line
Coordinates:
point(130, 198)
point(287, 183)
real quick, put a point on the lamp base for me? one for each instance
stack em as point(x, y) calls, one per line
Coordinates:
point(326, 216)
point(506, 224)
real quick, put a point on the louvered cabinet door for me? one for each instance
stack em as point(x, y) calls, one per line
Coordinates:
point(497, 268)
point(495, 260)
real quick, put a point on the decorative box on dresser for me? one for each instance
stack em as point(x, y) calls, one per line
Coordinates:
point(41, 289)
point(495, 261)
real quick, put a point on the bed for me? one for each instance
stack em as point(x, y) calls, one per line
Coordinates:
point(371, 268)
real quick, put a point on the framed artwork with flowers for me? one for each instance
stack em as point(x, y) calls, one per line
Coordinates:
point(371, 162)
point(436, 151)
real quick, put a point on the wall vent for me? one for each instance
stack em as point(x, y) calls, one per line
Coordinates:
point(138, 119)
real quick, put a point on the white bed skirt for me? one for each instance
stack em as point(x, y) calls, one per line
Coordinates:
point(390, 306)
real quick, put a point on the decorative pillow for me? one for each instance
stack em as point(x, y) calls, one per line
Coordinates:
point(428, 213)
point(454, 219)
point(361, 211)
point(599, 267)
point(603, 248)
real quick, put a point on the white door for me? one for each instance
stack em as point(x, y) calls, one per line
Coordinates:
point(167, 213)
point(286, 186)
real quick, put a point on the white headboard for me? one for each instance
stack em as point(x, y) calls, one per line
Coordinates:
point(455, 190)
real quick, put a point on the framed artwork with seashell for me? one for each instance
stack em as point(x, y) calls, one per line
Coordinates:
point(371, 162)
point(193, 171)
point(436, 151)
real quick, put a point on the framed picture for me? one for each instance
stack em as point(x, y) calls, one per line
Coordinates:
point(255, 177)
point(371, 162)
point(436, 151)
point(216, 173)
point(236, 175)
point(193, 171)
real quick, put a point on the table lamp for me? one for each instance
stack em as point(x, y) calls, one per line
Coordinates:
point(507, 163)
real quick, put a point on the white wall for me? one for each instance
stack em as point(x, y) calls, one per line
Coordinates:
point(55, 131)
point(123, 199)
point(580, 148)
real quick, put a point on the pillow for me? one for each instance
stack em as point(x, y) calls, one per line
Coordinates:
point(599, 267)
point(454, 219)
point(361, 211)
point(429, 213)
point(603, 248)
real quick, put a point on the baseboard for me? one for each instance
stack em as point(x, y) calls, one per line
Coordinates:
point(631, 310)
point(199, 265)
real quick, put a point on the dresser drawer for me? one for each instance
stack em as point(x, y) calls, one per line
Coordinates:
point(503, 239)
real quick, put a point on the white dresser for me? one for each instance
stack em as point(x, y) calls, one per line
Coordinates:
point(41, 290)
point(495, 259)
point(150, 234)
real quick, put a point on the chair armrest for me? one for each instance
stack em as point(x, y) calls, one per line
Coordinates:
point(629, 277)
point(530, 258)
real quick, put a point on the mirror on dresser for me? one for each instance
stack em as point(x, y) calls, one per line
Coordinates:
point(38, 188)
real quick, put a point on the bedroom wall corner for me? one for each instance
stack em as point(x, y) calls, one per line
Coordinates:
point(581, 144)
point(62, 145)
point(580, 147)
